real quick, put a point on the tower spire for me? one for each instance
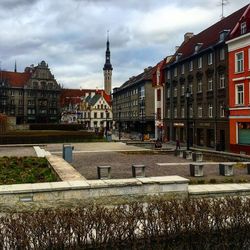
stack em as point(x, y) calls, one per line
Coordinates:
point(107, 69)
point(15, 67)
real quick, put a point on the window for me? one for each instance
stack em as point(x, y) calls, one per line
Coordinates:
point(158, 95)
point(210, 110)
point(222, 110)
point(210, 59)
point(183, 69)
point(239, 91)
point(168, 113)
point(20, 92)
point(142, 92)
point(182, 90)
point(12, 92)
point(243, 28)
point(199, 111)
point(191, 88)
point(101, 115)
point(168, 74)
point(168, 92)
point(191, 66)
point(222, 81)
point(239, 62)
point(200, 62)
point(20, 102)
point(210, 84)
point(222, 54)
point(175, 112)
point(158, 114)
point(175, 71)
point(175, 92)
point(199, 88)
point(191, 111)
point(182, 112)
point(95, 115)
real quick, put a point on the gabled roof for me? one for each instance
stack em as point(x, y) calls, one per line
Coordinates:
point(159, 66)
point(236, 32)
point(15, 79)
point(210, 36)
point(76, 94)
point(144, 76)
point(94, 99)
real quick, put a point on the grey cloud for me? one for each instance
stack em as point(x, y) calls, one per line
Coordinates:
point(12, 4)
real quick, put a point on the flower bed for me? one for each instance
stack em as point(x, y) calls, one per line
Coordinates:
point(15, 170)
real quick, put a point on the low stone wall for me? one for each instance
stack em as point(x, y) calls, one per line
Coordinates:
point(93, 189)
point(222, 156)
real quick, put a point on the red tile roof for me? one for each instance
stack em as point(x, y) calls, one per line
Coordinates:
point(75, 95)
point(210, 36)
point(15, 79)
point(159, 66)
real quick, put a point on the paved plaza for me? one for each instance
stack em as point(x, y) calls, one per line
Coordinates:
point(118, 155)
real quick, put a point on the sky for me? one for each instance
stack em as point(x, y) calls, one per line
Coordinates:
point(70, 35)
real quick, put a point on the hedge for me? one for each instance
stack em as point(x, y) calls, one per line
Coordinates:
point(159, 224)
point(31, 137)
point(54, 126)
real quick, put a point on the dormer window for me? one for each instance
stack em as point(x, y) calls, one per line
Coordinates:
point(197, 47)
point(178, 56)
point(223, 35)
point(243, 28)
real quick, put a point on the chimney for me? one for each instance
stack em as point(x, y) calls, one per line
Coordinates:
point(188, 35)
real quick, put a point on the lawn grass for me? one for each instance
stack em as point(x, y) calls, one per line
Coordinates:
point(17, 170)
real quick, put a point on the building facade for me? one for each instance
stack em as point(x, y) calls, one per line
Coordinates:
point(31, 96)
point(197, 87)
point(91, 108)
point(133, 105)
point(239, 85)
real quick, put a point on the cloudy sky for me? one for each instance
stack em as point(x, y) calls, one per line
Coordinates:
point(70, 35)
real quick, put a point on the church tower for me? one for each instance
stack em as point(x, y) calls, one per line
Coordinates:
point(107, 71)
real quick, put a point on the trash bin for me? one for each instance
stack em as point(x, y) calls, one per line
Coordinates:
point(68, 152)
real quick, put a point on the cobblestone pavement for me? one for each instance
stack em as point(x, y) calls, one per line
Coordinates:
point(17, 151)
point(120, 162)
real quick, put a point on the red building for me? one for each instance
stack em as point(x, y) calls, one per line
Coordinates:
point(239, 85)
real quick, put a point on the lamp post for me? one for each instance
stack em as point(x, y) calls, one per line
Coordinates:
point(188, 100)
point(106, 130)
point(119, 117)
point(142, 124)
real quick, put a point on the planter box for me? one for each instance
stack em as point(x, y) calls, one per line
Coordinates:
point(226, 169)
point(196, 169)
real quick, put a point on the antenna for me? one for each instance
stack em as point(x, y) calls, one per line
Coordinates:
point(223, 3)
point(108, 35)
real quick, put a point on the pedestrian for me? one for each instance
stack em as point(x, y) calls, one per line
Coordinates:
point(178, 144)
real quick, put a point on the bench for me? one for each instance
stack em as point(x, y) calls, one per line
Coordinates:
point(104, 169)
point(196, 169)
point(140, 168)
point(226, 169)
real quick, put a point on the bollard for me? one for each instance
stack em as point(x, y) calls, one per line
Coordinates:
point(68, 152)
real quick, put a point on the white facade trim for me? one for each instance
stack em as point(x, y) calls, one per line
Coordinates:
point(239, 117)
point(239, 79)
point(239, 42)
point(240, 108)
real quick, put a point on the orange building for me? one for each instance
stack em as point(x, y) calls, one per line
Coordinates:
point(239, 85)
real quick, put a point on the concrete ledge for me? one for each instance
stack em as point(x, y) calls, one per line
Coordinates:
point(209, 190)
point(63, 169)
point(88, 189)
point(40, 152)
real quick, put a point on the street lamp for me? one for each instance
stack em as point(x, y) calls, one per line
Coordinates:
point(188, 94)
point(106, 131)
point(119, 117)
